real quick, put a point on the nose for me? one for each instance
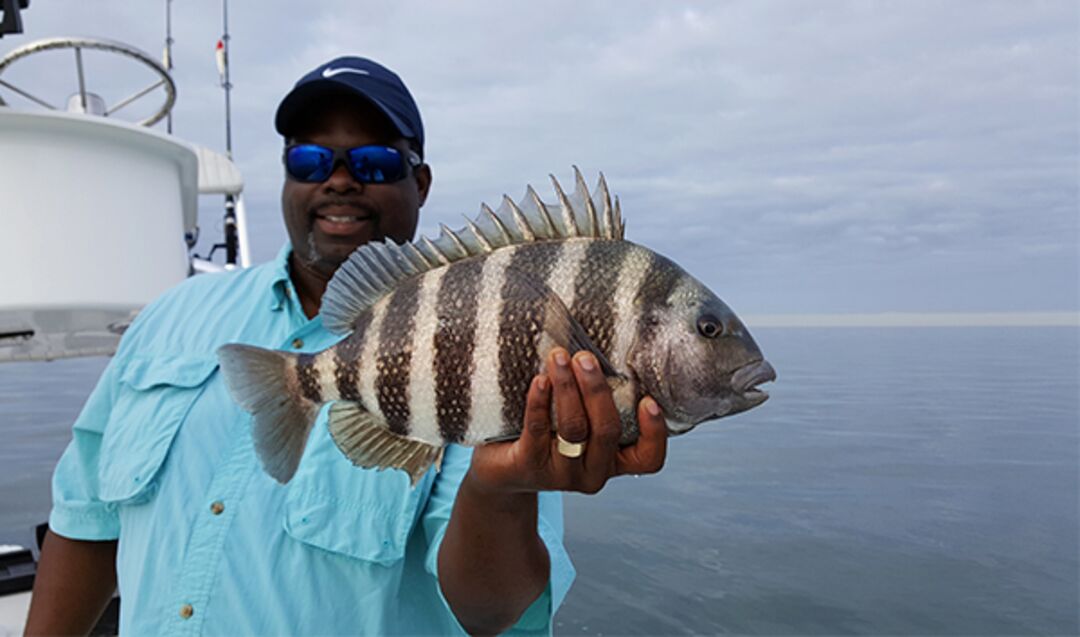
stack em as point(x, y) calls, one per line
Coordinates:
point(341, 180)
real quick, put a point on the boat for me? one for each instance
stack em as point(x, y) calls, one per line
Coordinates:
point(102, 216)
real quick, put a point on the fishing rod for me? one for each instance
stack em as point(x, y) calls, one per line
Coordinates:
point(168, 53)
point(232, 242)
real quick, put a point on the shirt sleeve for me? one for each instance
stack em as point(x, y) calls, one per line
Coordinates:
point(537, 619)
point(77, 512)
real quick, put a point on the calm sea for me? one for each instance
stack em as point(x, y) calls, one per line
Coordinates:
point(899, 481)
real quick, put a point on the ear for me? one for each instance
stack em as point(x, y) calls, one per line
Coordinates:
point(422, 173)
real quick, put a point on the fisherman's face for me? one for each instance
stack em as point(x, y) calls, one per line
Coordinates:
point(381, 211)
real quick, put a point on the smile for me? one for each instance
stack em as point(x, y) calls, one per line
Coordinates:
point(342, 218)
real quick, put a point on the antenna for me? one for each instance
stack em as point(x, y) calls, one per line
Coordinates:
point(168, 52)
point(232, 242)
point(223, 68)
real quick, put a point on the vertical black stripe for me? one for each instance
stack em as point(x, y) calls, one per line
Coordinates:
point(347, 361)
point(394, 356)
point(308, 378)
point(521, 323)
point(455, 338)
point(594, 291)
point(660, 280)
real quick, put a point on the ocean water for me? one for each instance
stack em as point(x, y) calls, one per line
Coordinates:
point(899, 481)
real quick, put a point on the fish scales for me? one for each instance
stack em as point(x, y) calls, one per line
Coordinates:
point(563, 276)
point(633, 274)
point(346, 361)
point(659, 282)
point(422, 392)
point(487, 399)
point(594, 291)
point(368, 372)
point(308, 377)
point(627, 309)
point(454, 341)
point(394, 356)
point(521, 327)
point(444, 338)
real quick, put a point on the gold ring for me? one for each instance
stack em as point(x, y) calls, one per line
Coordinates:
point(569, 449)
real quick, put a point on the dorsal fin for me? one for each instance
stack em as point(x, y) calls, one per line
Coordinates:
point(374, 269)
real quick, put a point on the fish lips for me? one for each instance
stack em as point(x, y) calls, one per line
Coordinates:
point(746, 379)
point(745, 393)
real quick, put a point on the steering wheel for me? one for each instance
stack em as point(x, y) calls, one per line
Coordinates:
point(103, 45)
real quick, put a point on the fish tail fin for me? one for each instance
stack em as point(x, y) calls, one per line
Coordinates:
point(264, 382)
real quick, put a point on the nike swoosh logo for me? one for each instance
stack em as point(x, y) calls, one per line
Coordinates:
point(333, 72)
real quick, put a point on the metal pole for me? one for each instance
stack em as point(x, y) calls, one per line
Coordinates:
point(231, 239)
point(227, 85)
point(168, 52)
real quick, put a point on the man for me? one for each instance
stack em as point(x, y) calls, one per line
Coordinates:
point(161, 491)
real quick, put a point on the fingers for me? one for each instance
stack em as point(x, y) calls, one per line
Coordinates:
point(603, 418)
point(535, 441)
point(571, 420)
point(647, 455)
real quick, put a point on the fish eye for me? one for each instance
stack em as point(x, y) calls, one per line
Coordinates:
point(709, 326)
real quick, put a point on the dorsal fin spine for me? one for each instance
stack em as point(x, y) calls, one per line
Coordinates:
point(519, 218)
point(567, 209)
point(481, 238)
point(618, 218)
point(609, 214)
point(430, 245)
point(455, 239)
point(417, 255)
point(549, 223)
point(590, 208)
point(372, 264)
point(503, 230)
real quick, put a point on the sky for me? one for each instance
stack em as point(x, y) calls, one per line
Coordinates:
point(797, 157)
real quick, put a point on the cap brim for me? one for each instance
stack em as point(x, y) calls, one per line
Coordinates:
point(300, 98)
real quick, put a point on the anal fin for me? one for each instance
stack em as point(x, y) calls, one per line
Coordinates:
point(368, 444)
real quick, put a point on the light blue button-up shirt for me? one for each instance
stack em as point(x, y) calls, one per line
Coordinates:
point(162, 459)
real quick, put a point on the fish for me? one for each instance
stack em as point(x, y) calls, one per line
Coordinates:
point(442, 338)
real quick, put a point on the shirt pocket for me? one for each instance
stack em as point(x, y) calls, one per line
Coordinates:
point(359, 513)
point(154, 396)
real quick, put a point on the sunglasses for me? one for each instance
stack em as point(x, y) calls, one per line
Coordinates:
point(312, 163)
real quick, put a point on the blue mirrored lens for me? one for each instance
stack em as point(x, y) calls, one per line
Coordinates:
point(308, 162)
point(377, 164)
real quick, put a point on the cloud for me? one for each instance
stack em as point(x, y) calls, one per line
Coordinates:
point(798, 156)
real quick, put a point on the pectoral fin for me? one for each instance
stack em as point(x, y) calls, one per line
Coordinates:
point(369, 444)
point(559, 325)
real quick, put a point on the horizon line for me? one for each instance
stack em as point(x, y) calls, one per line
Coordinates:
point(918, 319)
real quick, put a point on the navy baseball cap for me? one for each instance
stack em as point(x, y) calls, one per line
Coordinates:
point(357, 76)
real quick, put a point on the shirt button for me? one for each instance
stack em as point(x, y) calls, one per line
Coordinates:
point(186, 611)
point(297, 343)
point(217, 507)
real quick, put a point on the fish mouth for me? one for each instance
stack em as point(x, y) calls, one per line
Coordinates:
point(745, 381)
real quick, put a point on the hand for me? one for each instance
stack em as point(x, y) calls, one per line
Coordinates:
point(586, 412)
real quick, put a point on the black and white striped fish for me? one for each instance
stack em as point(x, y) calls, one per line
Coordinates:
point(445, 336)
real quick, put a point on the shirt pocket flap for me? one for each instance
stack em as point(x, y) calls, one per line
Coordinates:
point(153, 398)
point(363, 514)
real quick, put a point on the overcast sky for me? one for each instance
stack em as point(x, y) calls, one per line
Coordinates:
point(798, 157)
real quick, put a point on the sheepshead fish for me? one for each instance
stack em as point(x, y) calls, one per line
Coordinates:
point(445, 336)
